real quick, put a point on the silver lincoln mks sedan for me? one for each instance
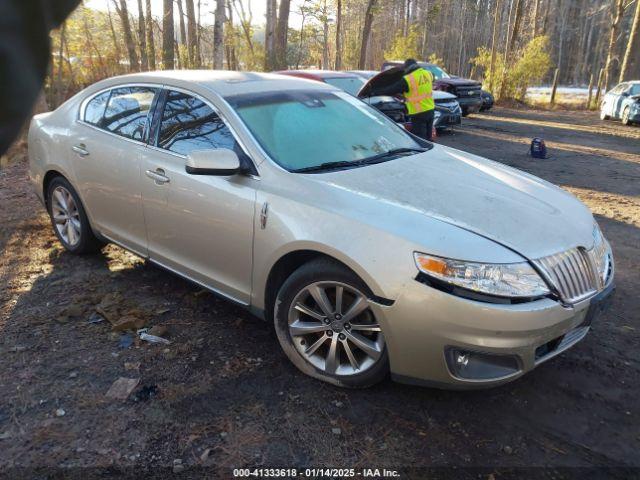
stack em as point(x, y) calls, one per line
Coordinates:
point(370, 250)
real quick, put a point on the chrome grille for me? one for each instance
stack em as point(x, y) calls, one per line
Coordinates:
point(573, 273)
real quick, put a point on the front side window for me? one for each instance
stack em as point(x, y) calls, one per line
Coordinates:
point(189, 124)
point(127, 111)
point(635, 89)
point(94, 111)
point(306, 129)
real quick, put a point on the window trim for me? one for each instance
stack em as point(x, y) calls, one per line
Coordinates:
point(83, 107)
point(159, 111)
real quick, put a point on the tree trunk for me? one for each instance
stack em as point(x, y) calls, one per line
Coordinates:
point(616, 17)
point(128, 36)
point(183, 28)
point(150, 42)
point(516, 24)
point(270, 35)
point(192, 36)
point(425, 29)
point(198, 35)
point(218, 36)
point(167, 35)
point(366, 33)
point(281, 34)
point(325, 36)
point(232, 61)
point(633, 45)
point(142, 38)
point(508, 46)
point(338, 64)
point(114, 37)
point(63, 40)
point(536, 12)
point(563, 29)
point(494, 41)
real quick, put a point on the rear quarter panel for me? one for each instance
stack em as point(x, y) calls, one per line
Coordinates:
point(47, 139)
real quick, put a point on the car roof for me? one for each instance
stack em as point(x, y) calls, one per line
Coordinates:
point(401, 62)
point(317, 74)
point(222, 82)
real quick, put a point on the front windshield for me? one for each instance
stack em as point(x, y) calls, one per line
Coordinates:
point(308, 128)
point(635, 89)
point(437, 72)
point(351, 85)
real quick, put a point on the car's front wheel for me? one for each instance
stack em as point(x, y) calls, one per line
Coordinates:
point(68, 218)
point(327, 328)
point(625, 116)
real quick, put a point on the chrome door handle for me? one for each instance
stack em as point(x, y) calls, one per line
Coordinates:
point(80, 149)
point(158, 176)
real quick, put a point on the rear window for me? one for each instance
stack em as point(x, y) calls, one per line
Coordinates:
point(94, 111)
point(351, 85)
point(127, 111)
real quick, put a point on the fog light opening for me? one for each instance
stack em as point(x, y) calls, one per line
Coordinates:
point(469, 365)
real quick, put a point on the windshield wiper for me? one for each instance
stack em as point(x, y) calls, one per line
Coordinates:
point(327, 166)
point(358, 163)
point(391, 153)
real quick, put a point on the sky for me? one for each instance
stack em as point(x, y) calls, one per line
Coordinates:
point(258, 7)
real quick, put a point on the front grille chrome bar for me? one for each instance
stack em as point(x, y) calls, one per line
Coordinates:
point(573, 273)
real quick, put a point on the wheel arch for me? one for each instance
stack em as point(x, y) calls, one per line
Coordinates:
point(46, 181)
point(290, 261)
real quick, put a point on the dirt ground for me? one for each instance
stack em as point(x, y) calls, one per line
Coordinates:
point(223, 395)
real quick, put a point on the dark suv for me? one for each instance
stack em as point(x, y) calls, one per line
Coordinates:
point(467, 91)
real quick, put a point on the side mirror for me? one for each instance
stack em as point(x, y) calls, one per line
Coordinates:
point(219, 161)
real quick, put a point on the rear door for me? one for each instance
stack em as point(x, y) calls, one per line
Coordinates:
point(200, 226)
point(107, 148)
point(618, 100)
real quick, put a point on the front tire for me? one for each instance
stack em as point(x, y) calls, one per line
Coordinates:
point(625, 116)
point(327, 328)
point(69, 219)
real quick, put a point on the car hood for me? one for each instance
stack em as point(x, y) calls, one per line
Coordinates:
point(383, 79)
point(458, 82)
point(522, 212)
point(440, 95)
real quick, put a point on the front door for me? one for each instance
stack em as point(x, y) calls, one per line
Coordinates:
point(198, 225)
point(107, 150)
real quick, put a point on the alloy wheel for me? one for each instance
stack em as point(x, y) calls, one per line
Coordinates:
point(333, 328)
point(66, 216)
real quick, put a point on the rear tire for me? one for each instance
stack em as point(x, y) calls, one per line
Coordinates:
point(338, 339)
point(69, 219)
point(625, 116)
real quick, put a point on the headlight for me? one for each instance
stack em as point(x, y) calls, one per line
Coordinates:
point(503, 280)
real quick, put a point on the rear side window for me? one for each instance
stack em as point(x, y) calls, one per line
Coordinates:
point(94, 111)
point(189, 124)
point(127, 111)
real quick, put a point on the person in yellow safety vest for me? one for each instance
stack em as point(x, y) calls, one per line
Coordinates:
point(416, 86)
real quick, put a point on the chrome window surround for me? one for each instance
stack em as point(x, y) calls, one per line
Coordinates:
point(83, 106)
